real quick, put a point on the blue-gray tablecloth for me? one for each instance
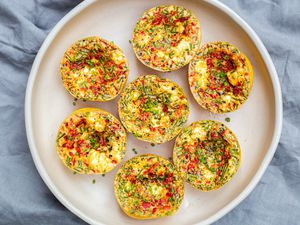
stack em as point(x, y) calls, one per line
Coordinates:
point(24, 198)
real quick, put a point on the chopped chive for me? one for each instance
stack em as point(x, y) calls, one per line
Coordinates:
point(152, 144)
point(134, 150)
point(129, 41)
point(62, 135)
point(75, 99)
point(103, 175)
point(94, 181)
point(74, 173)
point(74, 103)
point(227, 119)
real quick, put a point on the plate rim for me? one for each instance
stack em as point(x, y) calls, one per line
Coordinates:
point(255, 179)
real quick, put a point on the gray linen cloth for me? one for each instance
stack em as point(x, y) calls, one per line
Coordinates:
point(25, 199)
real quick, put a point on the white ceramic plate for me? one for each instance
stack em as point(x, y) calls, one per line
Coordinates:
point(257, 124)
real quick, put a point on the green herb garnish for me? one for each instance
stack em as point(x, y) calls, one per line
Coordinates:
point(134, 150)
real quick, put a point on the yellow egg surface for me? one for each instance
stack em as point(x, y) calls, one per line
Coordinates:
point(166, 38)
point(91, 141)
point(153, 109)
point(94, 69)
point(207, 154)
point(220, 77)
point(147, 187)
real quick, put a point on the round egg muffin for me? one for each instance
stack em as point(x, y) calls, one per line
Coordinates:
point(153, 109)
point(166, 38)
point(147, 187)
point(91, 141)
point(220, 77)
point(94, 69)
point(207, 154)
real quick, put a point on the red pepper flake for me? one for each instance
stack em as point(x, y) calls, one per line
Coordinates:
point(102, 141)
point(78, 150)
point(169, 194)
point(146, 205)
point(214, 134)
point(142, 100)
point(80, 142)
point(166, 207)
point(161, 131)
point(196, 161)
point(82, 121)
point(144, 116)
point(191, 166)
point(183, 19)
point(173, 44)
point(115, 127)
point(154, 210)
point(152, 128)
point(229, 66)
point(165, 108)
point(237, 90)
point(209, 62)
point(159, 18)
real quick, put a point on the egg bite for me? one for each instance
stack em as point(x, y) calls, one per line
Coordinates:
point(148, 187)
point(94, 69)
point(207, 154)
point(91, 141)
point(166, 38)
point(220, 77)
point(153, 109)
